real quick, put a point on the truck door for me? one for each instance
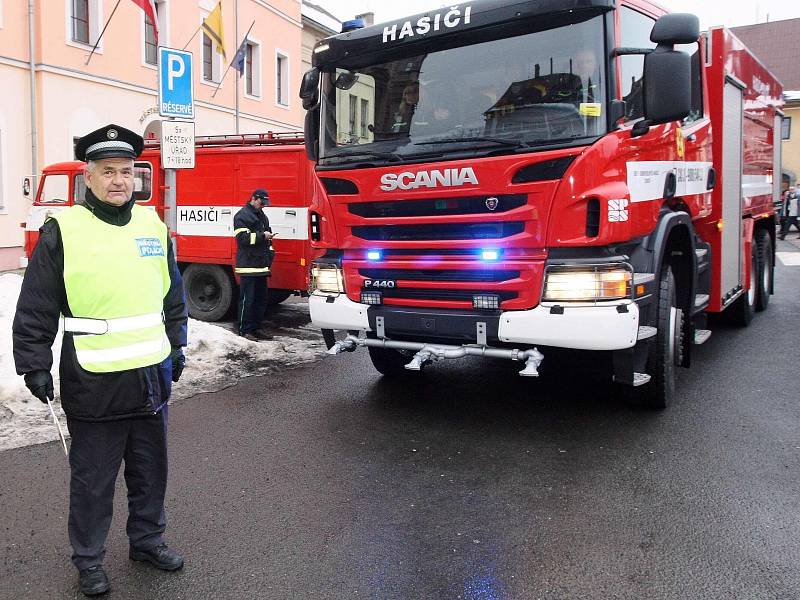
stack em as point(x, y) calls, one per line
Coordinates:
point(732, 127)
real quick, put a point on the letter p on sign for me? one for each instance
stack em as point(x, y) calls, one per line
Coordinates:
point(175, 86)
point(175, 69)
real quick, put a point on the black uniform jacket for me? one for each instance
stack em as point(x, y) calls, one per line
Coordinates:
point(89, 396)
point(252, 251)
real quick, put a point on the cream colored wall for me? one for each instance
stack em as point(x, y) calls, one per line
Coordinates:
point(791, 147)
point(116, 86)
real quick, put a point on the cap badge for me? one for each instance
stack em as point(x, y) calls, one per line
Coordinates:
point(112, 134)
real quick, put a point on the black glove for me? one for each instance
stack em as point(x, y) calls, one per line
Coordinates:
point(178, 363)
point(40, 383)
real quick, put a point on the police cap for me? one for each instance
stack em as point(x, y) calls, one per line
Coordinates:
point(261, 194)
point(110, 141)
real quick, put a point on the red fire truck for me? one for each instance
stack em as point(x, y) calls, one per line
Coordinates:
point(506, 177)
point(228, 169)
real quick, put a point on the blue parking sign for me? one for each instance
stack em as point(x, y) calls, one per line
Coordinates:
point(175, 89)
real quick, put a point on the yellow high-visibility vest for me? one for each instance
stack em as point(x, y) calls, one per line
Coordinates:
point(116, 278)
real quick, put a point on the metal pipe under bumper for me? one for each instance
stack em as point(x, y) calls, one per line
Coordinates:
point(426, 352)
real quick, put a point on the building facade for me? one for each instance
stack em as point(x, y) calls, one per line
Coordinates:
point(53, 92)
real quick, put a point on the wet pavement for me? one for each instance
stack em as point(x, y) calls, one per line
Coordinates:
point(464, 482)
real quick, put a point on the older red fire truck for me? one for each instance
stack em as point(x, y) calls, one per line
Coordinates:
point(228, 169)
point(503, 177)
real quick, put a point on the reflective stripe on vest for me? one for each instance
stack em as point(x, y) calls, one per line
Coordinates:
point(116, 279)
point(251, 270)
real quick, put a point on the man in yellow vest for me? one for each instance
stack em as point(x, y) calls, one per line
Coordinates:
point(105, 270)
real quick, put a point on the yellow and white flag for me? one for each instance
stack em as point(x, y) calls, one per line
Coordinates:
point(212, 26)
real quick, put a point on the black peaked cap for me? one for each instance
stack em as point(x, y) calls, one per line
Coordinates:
point(110, 141)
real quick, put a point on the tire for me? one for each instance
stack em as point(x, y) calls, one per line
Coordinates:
point(740, 313)
point(275, 297)
point(209, 291)
point(665, 354)
point(390, 362)
point(763, 244)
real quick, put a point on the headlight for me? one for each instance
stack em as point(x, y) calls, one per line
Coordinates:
point(582, 284)
point(326, 279)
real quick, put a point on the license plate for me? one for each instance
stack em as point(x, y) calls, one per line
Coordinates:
point(380, 284)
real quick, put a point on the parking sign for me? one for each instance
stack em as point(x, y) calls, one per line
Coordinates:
point(175, 90)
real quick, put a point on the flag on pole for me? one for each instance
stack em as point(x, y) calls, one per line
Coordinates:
point(212, 26)
point(238, 60)
point(149, 9)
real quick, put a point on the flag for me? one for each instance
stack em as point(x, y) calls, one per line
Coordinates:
point(149, 10)
point(212, 26)
point(238, 60)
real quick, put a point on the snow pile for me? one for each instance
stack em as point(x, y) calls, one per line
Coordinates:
point(216, 358)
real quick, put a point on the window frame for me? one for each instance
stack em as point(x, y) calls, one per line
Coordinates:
point(95, 20)
point(216, 58)
point(786, 125)
point(282, 79)
point(363, 118)
point(254, 45)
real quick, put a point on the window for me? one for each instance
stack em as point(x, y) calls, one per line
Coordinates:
point(353, 109)
point(636, 29)
point(142, 181)
point(55, 189)
point(212, 61)
point(79, 189)
point(282, 79)
point(696, 112)
point(364, 117)
point(80, 21)
point(252, 69)
point(150, 46)
point(786, 128)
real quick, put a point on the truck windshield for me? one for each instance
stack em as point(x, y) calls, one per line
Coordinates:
point(533, 90)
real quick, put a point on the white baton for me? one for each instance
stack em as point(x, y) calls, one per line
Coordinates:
point(58, 425)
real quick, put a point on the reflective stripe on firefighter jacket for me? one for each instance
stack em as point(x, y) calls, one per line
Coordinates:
point(254, 252)
point(115, 279)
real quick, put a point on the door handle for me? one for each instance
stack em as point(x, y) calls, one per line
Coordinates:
point(226, 211)
point(291, 212)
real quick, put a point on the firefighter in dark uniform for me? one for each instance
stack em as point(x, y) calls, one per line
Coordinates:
point(106, 270)
point(254, 256)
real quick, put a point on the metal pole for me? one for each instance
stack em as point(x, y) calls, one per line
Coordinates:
point(171, 205)
point(100, 37)
point(32, 58)
point(236, 37)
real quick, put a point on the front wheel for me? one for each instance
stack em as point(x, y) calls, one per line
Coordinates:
point(209, 291)
point(664, 355)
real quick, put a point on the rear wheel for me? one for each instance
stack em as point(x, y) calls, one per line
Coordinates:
point(763, 244)
point(209, 291)
point(741, 311)
point(665, 354)
point(388, 361)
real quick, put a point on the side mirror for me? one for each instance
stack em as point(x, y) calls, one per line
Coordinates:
point(668, 72)
point(311, 134)
point(667, 86)
point(676, 28)
point(309, 89)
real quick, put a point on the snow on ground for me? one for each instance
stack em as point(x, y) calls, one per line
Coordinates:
point(216, 358)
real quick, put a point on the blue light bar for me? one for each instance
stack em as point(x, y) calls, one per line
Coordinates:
point(373, 254)
point(490, 254)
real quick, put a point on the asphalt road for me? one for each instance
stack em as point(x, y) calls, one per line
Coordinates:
point(463, 482)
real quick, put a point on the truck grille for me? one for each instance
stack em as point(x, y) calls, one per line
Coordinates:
point(440, 274)
point(441, 231)
point(438, 207)
point(441, 294)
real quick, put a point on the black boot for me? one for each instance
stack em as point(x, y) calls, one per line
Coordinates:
point(160, 557)
point(93, 581)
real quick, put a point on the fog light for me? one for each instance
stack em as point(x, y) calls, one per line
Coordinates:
point(486, 301)
point(371, 298)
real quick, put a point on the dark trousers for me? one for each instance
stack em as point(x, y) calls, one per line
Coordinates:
point(94, 457)
point(787, 222)
point(252, 303)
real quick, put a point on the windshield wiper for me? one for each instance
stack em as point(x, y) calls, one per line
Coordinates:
point(494, 140)
point(393, 156)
